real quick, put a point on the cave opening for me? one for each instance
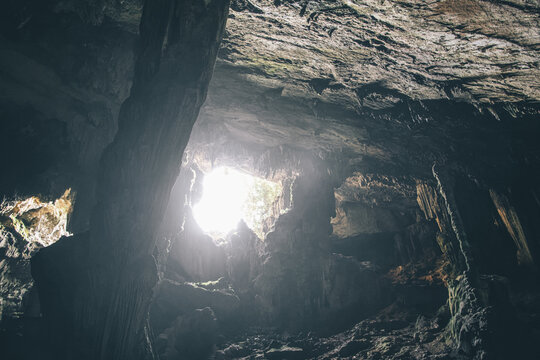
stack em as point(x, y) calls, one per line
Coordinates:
point(229, 196)
point(38, 221)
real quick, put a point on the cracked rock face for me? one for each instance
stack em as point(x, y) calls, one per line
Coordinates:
point(26, 225)
point(350, 104)
point(387, 84)
point(391, 84)
point(483, 51)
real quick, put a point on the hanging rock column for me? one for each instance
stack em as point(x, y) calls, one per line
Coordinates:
point(468, 323)
point(95, 288)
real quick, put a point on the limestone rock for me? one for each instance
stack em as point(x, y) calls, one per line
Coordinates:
point(172, 299)
point(285, 353)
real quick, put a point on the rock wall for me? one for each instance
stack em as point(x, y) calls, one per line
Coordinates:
point(115, 272)
point(356, 100)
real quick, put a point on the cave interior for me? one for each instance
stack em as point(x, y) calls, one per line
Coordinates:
point(257, 179)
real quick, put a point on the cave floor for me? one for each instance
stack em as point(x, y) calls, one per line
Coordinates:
point(396, 332)
point(391, 334)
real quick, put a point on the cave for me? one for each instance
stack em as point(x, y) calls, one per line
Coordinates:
point(269, 179)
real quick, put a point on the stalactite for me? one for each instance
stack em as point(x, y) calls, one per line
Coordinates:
point(431, 203)
point(468, 323)
point(513, 225)
point(455, 219)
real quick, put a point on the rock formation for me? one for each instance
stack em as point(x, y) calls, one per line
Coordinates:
point(403, 135)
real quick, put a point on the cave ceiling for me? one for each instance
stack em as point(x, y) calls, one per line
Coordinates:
point(394, 83)
point(343, 50)
point(385, 84)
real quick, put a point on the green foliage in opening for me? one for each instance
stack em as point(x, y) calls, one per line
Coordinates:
point(259, 204)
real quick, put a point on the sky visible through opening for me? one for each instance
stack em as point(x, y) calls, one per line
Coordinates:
point(229, 196)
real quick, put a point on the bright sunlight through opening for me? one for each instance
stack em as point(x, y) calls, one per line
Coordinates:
point(229, 196)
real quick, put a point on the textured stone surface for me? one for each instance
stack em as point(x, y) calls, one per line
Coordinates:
point(465, 49)
point(355, 99)
point(477, 50)
point(177, 48)
point(194, 254)
point(384, 83)
point(26, 225)
point(393, 334)
point(174, 299)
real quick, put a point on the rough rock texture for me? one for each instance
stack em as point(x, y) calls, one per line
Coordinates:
point(380, 53)
point(388, 87)
point(26, 225)
point(174, 299)
point(194, 254)
point(325, 285)
point(394, 85)
point(405, 137)
point(175, 59)
point(393, 334)
point(192, 336)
